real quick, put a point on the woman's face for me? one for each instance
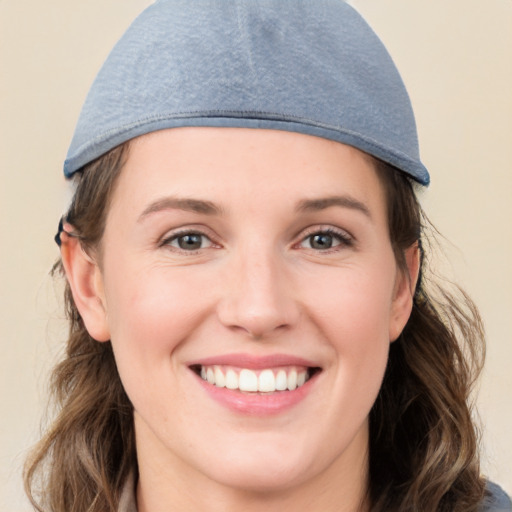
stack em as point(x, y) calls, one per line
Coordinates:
point(237, 258)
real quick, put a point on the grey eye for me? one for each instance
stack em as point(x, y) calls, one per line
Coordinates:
point(322, 241)
point(190, 241)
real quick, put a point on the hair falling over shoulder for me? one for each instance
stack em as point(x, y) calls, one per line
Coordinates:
point(423, 443)
point(86, 455)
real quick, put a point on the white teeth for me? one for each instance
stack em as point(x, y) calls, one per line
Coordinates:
point(264, 381)
point(281, 381)
point(248, 381)
point(231, 379)
point(220, 380)
point(292, 380)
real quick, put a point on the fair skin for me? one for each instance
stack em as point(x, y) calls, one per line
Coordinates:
point(254, 252)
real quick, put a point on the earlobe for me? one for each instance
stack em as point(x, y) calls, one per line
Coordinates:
point(404, 292)
point(86, 282)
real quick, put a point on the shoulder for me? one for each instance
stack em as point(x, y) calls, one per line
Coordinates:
point(496, 500)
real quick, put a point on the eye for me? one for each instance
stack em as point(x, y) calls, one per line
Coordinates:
point(326, 239)
point(188, 241)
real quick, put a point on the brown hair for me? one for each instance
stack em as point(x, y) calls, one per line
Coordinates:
point(423, 444)
point(85, 457)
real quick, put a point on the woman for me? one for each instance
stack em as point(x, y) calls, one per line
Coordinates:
point(252, 323)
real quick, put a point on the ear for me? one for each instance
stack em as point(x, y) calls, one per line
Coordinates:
point(404, 292)
point(86, 282)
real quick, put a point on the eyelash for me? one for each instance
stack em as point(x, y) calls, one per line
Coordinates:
point(168, 241)
point(343, 239)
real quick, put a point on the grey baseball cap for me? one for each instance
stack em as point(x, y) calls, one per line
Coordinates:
point(306, 66)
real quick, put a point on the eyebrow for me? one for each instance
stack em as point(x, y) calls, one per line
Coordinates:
point(208, 208)
point(322, 203)
point(185, 204)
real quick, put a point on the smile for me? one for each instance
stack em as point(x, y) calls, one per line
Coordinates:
point(256, 385)
point(267, 380)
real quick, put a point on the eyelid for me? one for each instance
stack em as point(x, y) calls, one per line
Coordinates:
point(344, 237)
point(169, 236)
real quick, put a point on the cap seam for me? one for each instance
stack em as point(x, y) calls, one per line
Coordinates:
point(241, 114)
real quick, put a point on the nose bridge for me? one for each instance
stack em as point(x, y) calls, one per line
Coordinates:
point(257, 297)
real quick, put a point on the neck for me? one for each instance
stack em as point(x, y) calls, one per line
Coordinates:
point(168, 495)
point(173, 485)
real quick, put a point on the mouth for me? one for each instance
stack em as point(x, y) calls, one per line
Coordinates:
point(257, 381)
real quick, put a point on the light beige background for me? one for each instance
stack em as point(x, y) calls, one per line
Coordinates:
point(456, 59)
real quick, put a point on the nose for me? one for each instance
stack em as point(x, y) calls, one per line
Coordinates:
point(257, 295)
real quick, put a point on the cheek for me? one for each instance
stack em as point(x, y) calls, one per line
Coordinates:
point(150, 316)
point(360, 339)
point(352, 312)
point(354, 305)
point(149, 302)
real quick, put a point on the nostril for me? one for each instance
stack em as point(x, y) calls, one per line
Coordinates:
point(257, 326)
point(256, 298)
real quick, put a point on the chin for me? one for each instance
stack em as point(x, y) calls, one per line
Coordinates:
point(266, 465)
point(260, 477)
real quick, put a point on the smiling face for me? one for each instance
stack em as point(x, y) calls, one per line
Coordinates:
point(248, 285)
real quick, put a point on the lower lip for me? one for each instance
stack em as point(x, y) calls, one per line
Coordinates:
point(257, 404)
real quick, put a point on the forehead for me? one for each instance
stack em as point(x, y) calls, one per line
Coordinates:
point(238, 166)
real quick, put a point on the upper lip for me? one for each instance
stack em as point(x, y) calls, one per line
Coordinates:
point(252, 362)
